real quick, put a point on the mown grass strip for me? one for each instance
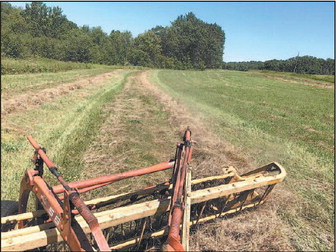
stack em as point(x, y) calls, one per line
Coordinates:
point(73, 142)
point(14, 84)
point(135, 135)
point(46, 124)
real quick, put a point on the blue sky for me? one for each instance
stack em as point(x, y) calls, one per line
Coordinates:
point(254, 31)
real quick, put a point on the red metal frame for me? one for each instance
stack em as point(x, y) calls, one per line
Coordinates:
point(61, 213)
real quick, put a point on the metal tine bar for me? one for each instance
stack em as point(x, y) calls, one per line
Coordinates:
point(150, 225)
point(144, 222)
point(113, 231)
point(146, 247)
point(107, 237)
point(231, 203)
point(267, 191)
point(122, 229)
point(270, 189)
point(224, 205)
point(245, 194)
point(201, 212)
point(161, 219)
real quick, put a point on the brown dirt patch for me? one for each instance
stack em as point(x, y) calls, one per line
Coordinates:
point(32, 99)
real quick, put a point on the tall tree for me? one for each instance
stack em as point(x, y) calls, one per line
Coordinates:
point(77, 47)
point(146, 50)
point(121, 45)
point(193, 42)
point(46, 21)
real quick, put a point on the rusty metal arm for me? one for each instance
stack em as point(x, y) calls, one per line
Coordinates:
point(69, 194)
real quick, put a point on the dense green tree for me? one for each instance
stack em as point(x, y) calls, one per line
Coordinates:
point(146, 49)
point(121, 46)
point(46, 21)
point(13, 31)
point(100, 43)
point(192, 42)
point(328, 67)
point(196, 41)
point(77, 47)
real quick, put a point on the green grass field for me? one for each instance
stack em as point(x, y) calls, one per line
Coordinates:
point(272, 120)
point(265, 119)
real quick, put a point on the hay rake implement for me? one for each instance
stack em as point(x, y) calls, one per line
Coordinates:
point(158, 216)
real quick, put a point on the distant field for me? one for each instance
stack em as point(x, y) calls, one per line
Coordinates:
point(322, 79)
point(20, 83)
point(272, 119)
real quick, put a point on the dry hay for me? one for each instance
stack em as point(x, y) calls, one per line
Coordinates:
point(37, 97)
point(117, 146)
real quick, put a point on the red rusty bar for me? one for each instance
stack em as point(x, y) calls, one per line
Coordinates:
point(91, 221)
point(176, 215)
point(86, 189)
point(177, 176)
point(37, 147)
point(105, 180)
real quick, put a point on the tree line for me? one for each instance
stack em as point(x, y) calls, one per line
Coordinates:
point(188, 43)
point(303, 65)
point(41, 31)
